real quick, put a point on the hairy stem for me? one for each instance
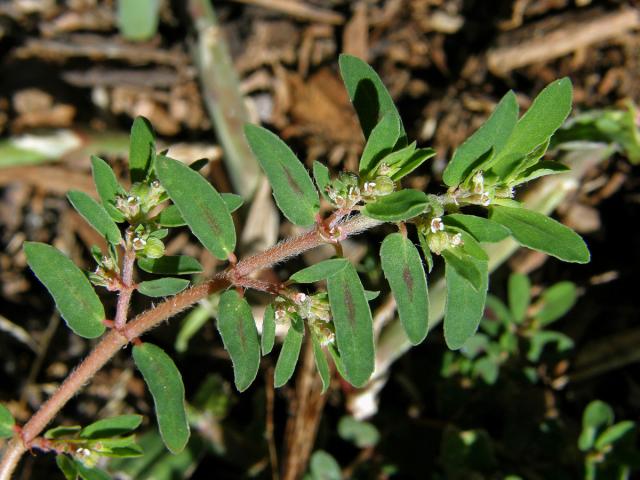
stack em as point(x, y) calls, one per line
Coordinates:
point(115, 340)
point(124, 297)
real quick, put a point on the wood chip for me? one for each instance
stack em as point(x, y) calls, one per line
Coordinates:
point(562, 41)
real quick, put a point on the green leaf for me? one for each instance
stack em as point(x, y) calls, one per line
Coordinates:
point(546, 114)
point(464, 305)
point(200, 205)
point(240, 337)
point(119, 447)
point(322, 178)
point(170, 217)
point(324, 467)
point(107, 187)
point(319, 271)
point(361, 434)
point(321, 361)
point(165, 384)
point(268, 329)
point(138, 19)
point(288, 358)
point(170, 265)
point(492, 134)
point(402, 267)
point(464, 265)
point(191, 324)
point(353, 324)
point(95, 215)
point(488, 369)
point(6, 422)
point(380, 143)
point(371, 295)
point(519, 296)
point(111, 427)
point(91, 473)
point(162, 287)
point(540, 170)
point(596, 416)
point(496, 310)
point(232, 200)
point(397, 206)
point(414, 161)
point(62, 432)
point(556, 301)
point(482, 229)
point(368, 94)
point(614, 433)
point(292, 187)
point(67, 466)
point(74, 296)
point(141, 147)
point(541, 339)
point(539, 232)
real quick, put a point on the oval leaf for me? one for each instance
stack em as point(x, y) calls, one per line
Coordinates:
point(595, 417)
point(546, 114)
point(67, 466)
point(141, 147)
point(494, 133)
point(464, 304)
point(268, 329)
point(482, 229)
point(292, 187)
point(107, 186)
point(464, 265)
point(321, 176)
point(95, 215)
point(368, 94)
point(353, 323)
point(539, 232)
point(397, 206)
point(289, 353)
point(319, 271)
point(170, 217)
point(519, 296)
point(232, 200)
point(403, 270)
point(162, 287)
point(112, 427)
point(240, 337)
point(200, 205)
point(556, 301)
point(165, 384)
point(74, 296)
point(321, 361)
point(170, 265)
point(614, 433)
point(380, 143)
point(6, 422)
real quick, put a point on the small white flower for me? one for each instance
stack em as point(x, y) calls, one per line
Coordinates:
point(436, 225)
point(456, 240)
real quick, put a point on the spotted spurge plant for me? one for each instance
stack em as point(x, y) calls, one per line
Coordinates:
point(477, 205)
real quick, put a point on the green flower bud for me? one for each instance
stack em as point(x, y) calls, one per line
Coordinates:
point(154, 248)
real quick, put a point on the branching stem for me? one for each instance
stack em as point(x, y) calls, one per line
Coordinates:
point(115, 340)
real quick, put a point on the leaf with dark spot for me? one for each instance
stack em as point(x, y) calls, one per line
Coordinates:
point(240, 337)
point(403, 270)
point(353, 324)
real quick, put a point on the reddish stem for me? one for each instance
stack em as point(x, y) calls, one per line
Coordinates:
point(114, 341)
point(124, 297)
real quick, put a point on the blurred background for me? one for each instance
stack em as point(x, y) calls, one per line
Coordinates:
point(511, 403)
